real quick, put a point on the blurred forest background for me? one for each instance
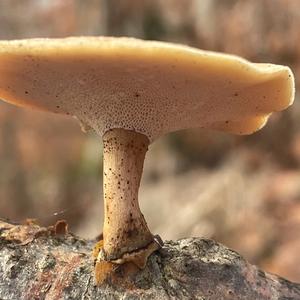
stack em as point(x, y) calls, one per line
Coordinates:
point(241, 191)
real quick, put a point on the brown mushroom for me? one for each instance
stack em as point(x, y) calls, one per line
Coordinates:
point(131, 92)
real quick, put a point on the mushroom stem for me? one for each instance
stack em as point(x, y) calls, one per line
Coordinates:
point(125, 229)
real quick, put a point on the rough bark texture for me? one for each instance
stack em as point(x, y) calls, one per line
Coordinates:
point(40, 263)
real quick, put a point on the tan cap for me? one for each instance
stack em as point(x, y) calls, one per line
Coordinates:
point(149, 87)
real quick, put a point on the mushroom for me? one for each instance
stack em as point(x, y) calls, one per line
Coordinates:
point(130, 92)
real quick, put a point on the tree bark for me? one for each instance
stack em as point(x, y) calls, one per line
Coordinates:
point(47, 263)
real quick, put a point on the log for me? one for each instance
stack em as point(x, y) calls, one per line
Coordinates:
point(49, 263)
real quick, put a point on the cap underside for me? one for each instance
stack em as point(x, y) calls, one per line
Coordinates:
point(150, 87)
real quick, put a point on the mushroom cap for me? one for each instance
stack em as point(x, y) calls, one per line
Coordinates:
point(147, 86)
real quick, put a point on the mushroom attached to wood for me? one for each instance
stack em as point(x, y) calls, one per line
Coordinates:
point(130, 92)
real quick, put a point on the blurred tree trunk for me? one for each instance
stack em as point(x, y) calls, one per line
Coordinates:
point(37, 263)
point(13, 173)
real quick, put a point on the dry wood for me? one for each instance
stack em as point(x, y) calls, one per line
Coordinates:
point(36, 263)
